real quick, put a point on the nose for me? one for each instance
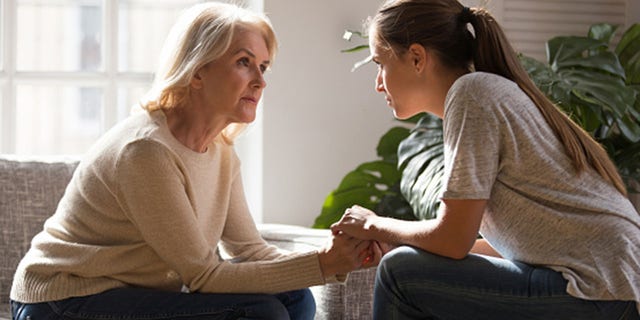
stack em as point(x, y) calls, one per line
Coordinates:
point(379, 83)
point(259, 82)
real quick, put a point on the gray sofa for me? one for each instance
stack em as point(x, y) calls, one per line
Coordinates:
point(31, 189)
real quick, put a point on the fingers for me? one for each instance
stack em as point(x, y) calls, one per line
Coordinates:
point(343, 223)
point(377, 253)
point(374, 255)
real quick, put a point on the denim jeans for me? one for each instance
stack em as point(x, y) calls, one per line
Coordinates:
point(414, 284)
point(139, 303)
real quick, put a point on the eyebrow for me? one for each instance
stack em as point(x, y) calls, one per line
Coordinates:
point(247, 51)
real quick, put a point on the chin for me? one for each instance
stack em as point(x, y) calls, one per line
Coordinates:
point(245, 120)
point(402, 115)
point(247, 116)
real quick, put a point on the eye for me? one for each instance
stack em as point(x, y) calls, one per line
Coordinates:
point(244, 61)
point(263, 68)
point(377, 63)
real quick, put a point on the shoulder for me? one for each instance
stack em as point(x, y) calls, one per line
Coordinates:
point(485, 91)
point(482, 85)
point(483, 79)
point(142, 137)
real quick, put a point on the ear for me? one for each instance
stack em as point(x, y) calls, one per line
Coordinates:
point(418, 56)
point(196, 81)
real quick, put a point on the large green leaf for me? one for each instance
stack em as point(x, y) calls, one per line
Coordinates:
point(610, 92)
point(421, 157)
point(564, 48)
point(588, 82)
point(373, 185)
point(628, 51)
point(569, 52)
point(388, 146)
point(603, 32)
point(606, 62)
point(365, 186)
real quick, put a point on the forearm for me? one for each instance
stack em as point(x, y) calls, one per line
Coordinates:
point(452, 234)
point(399, 232)
point(429, 235)
point(483, 247)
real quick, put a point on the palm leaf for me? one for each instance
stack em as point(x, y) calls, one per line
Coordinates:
point(373, 185)
point(421, 157)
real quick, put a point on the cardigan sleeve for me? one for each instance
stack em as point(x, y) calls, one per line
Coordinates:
point(241, 238)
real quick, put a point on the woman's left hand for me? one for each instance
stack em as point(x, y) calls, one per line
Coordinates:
point(357, 222)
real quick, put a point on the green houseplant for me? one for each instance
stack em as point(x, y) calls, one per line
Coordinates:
point(597, 86)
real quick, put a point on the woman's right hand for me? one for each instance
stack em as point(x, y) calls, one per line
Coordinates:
point(342, 254)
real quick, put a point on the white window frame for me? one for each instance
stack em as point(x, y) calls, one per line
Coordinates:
point(108, 79)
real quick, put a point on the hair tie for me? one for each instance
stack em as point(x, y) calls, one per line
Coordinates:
point(465, 15)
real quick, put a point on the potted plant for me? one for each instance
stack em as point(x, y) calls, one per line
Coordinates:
point(598, 87)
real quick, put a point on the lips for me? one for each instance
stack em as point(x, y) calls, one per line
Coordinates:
point(250, 99)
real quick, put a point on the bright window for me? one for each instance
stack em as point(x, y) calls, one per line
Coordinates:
point(71, 69)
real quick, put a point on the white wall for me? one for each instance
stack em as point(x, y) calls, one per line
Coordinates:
point(320, 120)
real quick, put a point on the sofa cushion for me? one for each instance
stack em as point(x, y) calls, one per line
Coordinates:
point(29, 194)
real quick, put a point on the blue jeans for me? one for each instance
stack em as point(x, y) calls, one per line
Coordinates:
point(139, 303)
point(414, 284)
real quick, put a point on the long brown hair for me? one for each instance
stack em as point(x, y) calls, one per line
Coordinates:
point(442, 26)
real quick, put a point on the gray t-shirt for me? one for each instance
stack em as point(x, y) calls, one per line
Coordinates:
point(540, 211)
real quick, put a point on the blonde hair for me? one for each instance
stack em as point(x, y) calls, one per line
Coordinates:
point(203, 33)
point(441, 25)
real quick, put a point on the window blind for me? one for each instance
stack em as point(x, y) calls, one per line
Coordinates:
point(529, 24)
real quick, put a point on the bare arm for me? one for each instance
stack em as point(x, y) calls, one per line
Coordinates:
point(452, 234)
point(483, 247)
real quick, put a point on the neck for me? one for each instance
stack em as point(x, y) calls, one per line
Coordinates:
point(441, 87)
point(191, 128)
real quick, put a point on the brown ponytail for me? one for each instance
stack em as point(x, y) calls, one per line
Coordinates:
point(441, 25)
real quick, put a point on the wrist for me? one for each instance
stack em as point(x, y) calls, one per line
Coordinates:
point(374, 227)
point(325, 268)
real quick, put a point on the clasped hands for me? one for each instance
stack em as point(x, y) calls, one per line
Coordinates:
point(352, 245)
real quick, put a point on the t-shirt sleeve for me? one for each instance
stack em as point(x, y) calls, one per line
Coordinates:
point(471, 145)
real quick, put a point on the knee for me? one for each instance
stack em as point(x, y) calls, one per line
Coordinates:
point(404, 262)
point(300, 304)
point(397, 258)
point(391, 264)
point(307, 300)
point(270, 308)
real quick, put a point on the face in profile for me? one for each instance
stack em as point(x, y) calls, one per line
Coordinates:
point(231, 86)
point(397, 79)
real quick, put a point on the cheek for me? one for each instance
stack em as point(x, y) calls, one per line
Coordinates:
point(391, 84)
point(387, 82)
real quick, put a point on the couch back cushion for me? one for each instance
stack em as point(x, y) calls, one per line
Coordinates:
point(30, 190)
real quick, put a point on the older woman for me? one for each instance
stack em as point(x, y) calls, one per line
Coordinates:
point(136, 234)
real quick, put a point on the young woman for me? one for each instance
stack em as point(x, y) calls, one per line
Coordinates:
point(136, 234)
point(560, 238)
